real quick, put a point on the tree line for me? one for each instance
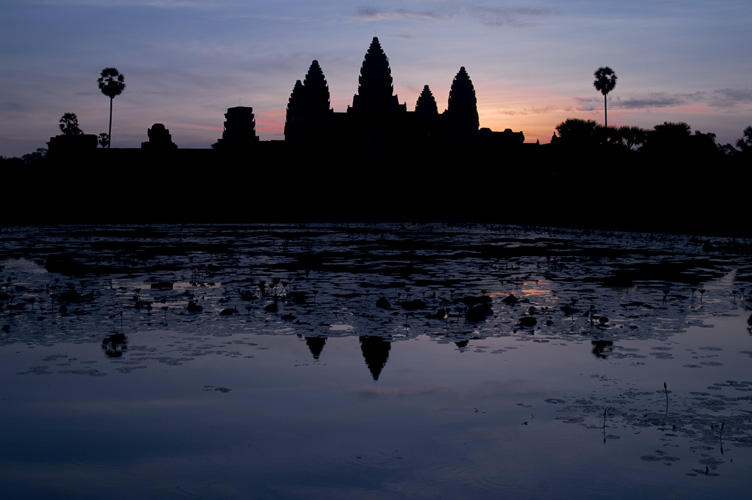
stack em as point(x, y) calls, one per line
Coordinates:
point(668, 137)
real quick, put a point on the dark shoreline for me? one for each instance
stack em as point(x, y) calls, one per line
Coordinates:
point(99, 212)
point(532, 185)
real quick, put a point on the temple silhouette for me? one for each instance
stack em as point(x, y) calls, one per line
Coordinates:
point(376, 157)
point(376, 117)
point(377, 160)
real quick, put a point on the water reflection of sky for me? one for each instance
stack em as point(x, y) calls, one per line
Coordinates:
point(383, 404)
point(273, 421)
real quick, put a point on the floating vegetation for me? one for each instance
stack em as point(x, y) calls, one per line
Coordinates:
point(169, 297)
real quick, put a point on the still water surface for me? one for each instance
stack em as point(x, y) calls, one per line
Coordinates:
point(375, 361)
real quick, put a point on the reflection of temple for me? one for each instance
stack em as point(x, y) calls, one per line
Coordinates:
point(315, 345)
point(376, 353)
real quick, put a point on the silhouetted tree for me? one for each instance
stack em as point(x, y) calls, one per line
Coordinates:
point(426, 105)
point(69, 124)
point(605, 81)
point(462, 111)
point(577, 132)
point(705, 144)
point(104, 139)
point(668, 139)
point(727, 149)
point(35, 157)
point(633, 137)
point(745, 143)
point(111, 83)
point(608, 136)
point(669, 153)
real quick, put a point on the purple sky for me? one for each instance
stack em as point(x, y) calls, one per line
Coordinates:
point(531, 61)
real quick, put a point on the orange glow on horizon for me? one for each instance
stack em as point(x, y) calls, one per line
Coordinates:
point(271, 122)
point(537, 121)
point(197, 127)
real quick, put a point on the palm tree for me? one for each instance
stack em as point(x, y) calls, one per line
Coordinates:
point(111, 83)
point(605, 81)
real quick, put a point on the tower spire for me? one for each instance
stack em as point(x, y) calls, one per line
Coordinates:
point(375, 88)
point(462, 111)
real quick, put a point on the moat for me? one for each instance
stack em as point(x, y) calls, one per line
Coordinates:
point(373, 361)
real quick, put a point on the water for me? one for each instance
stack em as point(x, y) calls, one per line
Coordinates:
point(312, 389)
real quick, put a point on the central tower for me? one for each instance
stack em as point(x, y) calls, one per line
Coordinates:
point(375, 89)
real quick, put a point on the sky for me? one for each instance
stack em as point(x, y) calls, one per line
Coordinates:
point(531, 62)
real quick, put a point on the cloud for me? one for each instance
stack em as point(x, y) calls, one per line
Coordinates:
point(14, 107)
point(294, 19)
point(527, 111)
point(655, 100)
point(376, 14)
point(515, 17)
point(489, 16)
point(728, 98)
point(721, 98)
point(162, 4)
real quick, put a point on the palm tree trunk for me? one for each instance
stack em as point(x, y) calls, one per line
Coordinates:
point(605, 110)
point(109, 132)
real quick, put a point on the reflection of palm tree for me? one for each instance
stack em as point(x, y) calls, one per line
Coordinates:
point(602, 348)
point(605, 81)
point(111, 83)
point(115, 344)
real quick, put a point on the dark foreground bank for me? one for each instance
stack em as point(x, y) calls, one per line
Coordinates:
point(533, 184)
